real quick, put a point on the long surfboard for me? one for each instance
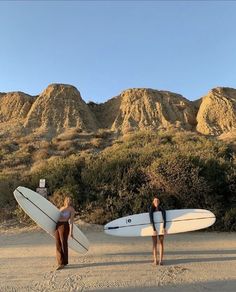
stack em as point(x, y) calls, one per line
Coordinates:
point(46, 215)
point(177, 221)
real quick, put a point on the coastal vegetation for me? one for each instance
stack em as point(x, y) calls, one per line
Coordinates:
point(186, 170)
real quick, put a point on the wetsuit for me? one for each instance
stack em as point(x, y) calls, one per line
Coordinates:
point(154, 209)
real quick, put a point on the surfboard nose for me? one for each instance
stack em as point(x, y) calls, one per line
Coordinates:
point(106, 227)
point(213, 217)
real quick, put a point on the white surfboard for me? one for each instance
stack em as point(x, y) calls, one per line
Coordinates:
point(177, 221)
point(46, 215)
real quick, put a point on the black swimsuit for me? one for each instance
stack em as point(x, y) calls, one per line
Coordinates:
point(154, 209)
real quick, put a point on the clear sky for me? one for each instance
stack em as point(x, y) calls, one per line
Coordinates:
point(105, 47)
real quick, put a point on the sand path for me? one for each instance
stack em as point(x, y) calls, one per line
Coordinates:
point(193, 262)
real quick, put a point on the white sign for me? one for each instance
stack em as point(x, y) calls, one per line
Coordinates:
point(42, 183)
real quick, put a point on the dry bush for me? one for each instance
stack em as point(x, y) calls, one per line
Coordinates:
point(18, 169)
point(17, 160)
point(38, 165)
point(103, 133)
point(26, 139)
point(70, 134)
point(6, 214)
point(83, 146)
point(96, 216)
point(67, 153)
point(9, 147)
point(30, 148)
point(66, 145)
point(23, 217)
point(41, 154)
point(8, 183)
point(97, 142)
point(44, 144)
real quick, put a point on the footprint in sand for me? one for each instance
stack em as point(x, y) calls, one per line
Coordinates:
point(73, 283)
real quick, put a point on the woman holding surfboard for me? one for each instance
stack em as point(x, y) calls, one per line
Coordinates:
point(63, 230)
point(156, 207)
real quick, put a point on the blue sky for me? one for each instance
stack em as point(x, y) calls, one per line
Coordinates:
point(105, 47)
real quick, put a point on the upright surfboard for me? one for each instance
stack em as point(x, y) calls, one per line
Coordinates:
point(46, 215)
point(177, 221)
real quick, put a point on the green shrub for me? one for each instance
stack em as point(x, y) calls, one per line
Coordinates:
point(59, 195)
point(185, 169)
point(22, 217)
point(59, 173)
point(8, 183)
point(66, 145)
point(178, 176)
point(103, 133)
point(230, 220)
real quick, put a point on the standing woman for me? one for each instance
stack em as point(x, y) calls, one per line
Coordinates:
point(156, 207)
point(62, 232)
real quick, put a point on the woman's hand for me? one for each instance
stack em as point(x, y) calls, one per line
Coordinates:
point(71, 235)
point(164, 231)
point(154, 233)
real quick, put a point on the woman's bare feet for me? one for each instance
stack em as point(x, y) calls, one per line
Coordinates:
point(155, 262)
point(60, 267)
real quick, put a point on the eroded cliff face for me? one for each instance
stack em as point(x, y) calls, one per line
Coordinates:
point(217, 112)
point(107, 112)
point(14, 106)
point(152, 109)
point(60, 107)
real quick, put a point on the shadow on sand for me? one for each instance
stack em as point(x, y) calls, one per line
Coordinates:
point(178, 252)
point(167, 262)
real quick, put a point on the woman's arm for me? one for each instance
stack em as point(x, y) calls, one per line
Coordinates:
point(163, 212)
point(72, 215)
point(151, 218)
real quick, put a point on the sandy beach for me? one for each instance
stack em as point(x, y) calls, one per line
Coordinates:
point(198, 261)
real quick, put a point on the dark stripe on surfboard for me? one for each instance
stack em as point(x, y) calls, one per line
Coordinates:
point(47, 215)
point(118, 227)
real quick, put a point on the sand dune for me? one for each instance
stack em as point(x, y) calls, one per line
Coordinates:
point(197, 261)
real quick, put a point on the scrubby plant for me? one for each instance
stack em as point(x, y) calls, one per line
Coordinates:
point(40, 154)
point(22, 217)
point(185, 169)
point(59, 195)
point(66, 145)
point(230, 220)
point(8, 184)
point(61, 174)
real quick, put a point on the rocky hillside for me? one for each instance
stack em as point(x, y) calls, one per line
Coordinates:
point(106, 113)
point(147, 108)
point(217, 112)
point(139, 109)
point(60, 107)
point(14, 106)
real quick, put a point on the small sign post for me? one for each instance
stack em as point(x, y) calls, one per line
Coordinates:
point(42, 190)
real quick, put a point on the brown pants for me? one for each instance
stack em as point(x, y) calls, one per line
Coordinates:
point(61, 236)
